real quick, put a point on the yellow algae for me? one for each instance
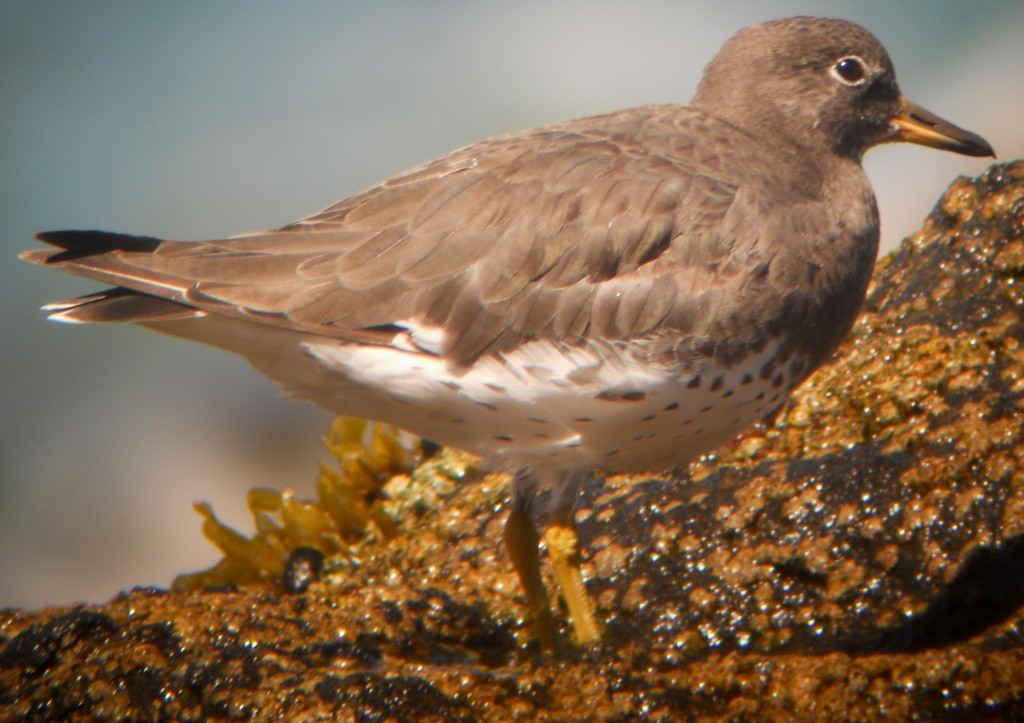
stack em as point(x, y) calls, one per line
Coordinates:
point(350, 508)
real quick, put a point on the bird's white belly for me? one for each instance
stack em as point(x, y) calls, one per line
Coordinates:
point(546, 407)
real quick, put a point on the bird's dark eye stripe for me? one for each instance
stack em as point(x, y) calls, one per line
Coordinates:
point(850, 70)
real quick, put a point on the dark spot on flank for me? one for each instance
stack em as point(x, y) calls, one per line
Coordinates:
point(747, 379)
point(717, 383)
point(796, 366)
point(760, 395)
point(612, 453)
point(583, 419)
point(541, 435)
point(706, 409)
point(496, 388)
point(671, 407)
point(727, 394)
point(452, 385)
point(779, 378)
point(632, 395)
point(503, 438)
point(693, 383)
point(638, 437)
point(648, 418)
point(768, 369)
point(538, 420)
point(488, 405)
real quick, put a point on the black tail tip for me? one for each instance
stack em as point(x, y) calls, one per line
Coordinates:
point(77, 244)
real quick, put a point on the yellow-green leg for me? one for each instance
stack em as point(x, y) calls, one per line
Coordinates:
point(563, 547)
point(522, 542)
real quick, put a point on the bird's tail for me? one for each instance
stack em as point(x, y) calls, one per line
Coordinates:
point(105, 256)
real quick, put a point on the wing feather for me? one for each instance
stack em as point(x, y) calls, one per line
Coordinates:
point(607, 226)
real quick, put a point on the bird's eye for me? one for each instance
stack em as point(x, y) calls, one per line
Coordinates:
point(850, 70)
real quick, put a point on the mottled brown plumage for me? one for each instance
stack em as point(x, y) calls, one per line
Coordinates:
point(619, 292)
point(606, 227)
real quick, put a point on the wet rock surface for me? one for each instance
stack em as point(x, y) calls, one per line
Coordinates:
point(861, 556)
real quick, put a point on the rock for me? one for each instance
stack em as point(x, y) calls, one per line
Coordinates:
point(860, 557)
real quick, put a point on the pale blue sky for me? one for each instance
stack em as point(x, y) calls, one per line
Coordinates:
point(196, 120)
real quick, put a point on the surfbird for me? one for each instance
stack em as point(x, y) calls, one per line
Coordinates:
point(618, 293)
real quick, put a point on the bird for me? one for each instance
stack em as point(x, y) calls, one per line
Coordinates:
point(617, 293)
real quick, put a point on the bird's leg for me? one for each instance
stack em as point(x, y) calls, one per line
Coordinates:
point(563, 547)
point(521, 541)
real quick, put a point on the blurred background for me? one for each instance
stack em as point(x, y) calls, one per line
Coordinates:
point(196, 120)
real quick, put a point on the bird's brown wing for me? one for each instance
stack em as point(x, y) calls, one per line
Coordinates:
point(600, 227)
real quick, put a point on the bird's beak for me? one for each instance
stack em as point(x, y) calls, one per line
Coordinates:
point(914, 124)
